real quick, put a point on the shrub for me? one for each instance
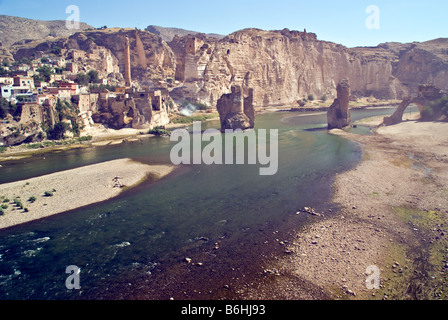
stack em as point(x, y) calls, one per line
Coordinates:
point(192, 119)
point(34, 146)
point(159, 131)
point(18, 203)
point(45, 72)
point(48, 194)
point(311, 97)
point(85, 138)
point(56, 50)
point(82, 79)
point(324, 98)
point(32, 199)
point(1, 212)
point(58, 131)
point(93, 76)
point(435, 110)
point(4, 206)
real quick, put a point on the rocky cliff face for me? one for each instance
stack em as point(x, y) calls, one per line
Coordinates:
point(151, 58)
point(422, 63)
point(284, 66)
point(281, 66)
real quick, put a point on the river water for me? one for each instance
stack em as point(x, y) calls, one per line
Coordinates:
point(134, 246)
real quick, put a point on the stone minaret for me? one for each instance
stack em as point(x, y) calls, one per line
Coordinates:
point(127, 63)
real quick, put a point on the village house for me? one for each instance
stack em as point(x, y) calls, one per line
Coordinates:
point(77, 54)
point(46, 98)
point(86, 102)
point(7, 80)
point(20, 81)
point(22, 73)
point(71, 67)
point(73, 87)
point(60, 92)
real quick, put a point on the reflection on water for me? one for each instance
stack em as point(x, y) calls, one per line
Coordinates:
point(140, 233)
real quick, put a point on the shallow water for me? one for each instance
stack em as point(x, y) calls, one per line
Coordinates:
point(131, 246)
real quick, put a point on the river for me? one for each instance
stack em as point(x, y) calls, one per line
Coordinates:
point(219, 216)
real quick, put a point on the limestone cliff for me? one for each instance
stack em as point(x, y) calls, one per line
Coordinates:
point(285, 66)
point(151, 58)
point(281, 66)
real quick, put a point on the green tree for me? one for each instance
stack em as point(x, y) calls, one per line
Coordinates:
point(45, 72)
point(38, 78)
point(4, 108)
point(3, 72)
point(27, 61)
point(82, 79)
point(58, 131)
point(58, 70)
point(436, 109)
point(56, 50)
point(93, 76)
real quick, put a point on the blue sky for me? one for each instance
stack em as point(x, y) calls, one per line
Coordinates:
point(342, 21)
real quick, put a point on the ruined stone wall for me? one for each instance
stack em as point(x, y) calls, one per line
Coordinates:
point(236, 110)
point(32, 112)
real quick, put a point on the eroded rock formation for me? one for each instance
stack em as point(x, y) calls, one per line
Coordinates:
point(235, 110)
point(281, 66)
point(151, 58)
point(338, 116)
point(286, 66)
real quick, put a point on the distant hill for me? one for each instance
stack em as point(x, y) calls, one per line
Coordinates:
point(168, 34)
point(16, 29)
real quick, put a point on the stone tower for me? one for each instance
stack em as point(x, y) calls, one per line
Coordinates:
point(127, 63)
point(235, 110)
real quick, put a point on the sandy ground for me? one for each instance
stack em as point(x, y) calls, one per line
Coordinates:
point(403, 166)
point(73, 189)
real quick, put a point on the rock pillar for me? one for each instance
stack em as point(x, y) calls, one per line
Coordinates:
point(338, 115)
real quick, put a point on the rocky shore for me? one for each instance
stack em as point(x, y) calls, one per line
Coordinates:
point(40, 197)
point(393, 215)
